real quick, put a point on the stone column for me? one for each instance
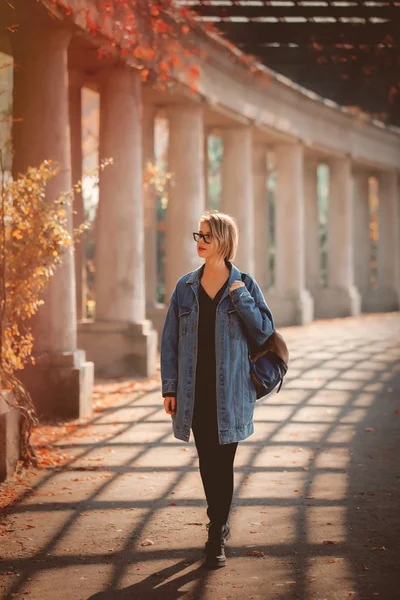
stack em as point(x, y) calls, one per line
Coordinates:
point(388, 243)
point(362, 245)
point(121, 341)
point(61, 381)
point(340, 298)
point(311, 226)
point(237, 190)
point(150, 208)
point(186, 201)
point(120, 292)
point(206, 189)
point(291, 303)
point(261, 216)
point(75, 117)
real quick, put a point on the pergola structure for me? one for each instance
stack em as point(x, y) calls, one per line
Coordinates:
point(344, 51)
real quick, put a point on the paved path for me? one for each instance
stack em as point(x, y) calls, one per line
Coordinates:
point(317, 491)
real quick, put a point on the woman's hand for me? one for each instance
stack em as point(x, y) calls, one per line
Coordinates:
point(170, 405)
point(235, 285)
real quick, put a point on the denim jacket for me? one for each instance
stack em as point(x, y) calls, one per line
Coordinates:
point(241, 316)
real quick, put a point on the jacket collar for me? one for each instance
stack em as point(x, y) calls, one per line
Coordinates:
point(194, 277)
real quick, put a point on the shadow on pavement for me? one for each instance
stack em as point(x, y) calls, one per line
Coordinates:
point(322, 469)
point(156, 586)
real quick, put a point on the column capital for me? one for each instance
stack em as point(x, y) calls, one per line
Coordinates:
point(388, 177)
point(76, 78)
point(236, 131)
point(183, 108)
point(122, 77)
point(311, 161)
point(361, 171)
point(260, 158)
point(339, 160)
point(41, 36)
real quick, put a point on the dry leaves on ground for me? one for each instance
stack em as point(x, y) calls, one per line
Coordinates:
point(255, 553)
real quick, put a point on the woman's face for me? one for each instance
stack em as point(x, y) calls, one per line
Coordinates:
point(207, 248)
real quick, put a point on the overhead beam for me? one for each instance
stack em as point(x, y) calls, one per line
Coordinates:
point(300, 33)
point(256, 12)
point(329, 53)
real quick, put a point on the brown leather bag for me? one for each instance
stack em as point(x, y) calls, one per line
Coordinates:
point(268, 364)
point(275, 343)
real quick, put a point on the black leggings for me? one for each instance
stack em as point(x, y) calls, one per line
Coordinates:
point(216, 470)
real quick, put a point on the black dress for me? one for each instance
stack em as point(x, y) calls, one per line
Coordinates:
point(215, 460)
point(205, 407)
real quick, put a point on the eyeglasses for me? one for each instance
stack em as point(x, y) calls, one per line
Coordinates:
point(206, 237)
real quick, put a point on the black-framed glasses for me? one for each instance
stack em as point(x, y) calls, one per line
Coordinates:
point(206, 237)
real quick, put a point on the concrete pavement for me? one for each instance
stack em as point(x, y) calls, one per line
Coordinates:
point(316, 507)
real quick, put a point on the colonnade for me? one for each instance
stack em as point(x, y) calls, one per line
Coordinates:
point(298, 294)
point(121, 340)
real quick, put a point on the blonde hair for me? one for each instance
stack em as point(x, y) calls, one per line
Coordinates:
point(224, 230)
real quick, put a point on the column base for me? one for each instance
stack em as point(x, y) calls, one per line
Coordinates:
point(291, 310)
point(120, 349)
point(332, 302)
point(384, 299)
point(9, 435)
point(157, 314)
point(61, 385)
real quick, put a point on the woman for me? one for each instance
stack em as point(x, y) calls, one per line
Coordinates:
point(205, 370)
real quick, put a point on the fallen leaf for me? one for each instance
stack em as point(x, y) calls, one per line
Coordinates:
point(328, 542)
point(255, 553)
point(147, 543)
point(378, 548)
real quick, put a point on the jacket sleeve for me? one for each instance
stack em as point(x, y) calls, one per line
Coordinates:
point(251, 306)
point(169, 349)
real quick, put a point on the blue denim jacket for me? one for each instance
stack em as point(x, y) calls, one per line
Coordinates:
point(244, 310)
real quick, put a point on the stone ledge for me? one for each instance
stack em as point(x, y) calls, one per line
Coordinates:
point(120, 349)
point(290, 310)
point(335, 302)
point(385, 299)
point(61, 385)
point(9, 435)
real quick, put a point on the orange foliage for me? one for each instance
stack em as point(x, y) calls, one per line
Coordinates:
point(156, 34)
point(35, 235)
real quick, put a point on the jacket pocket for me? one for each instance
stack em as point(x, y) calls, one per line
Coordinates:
point(184, 320)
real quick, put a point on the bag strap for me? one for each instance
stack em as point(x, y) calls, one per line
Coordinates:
point(243, 278)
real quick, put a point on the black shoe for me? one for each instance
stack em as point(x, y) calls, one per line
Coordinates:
point(225, 532)
point(215, 546)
